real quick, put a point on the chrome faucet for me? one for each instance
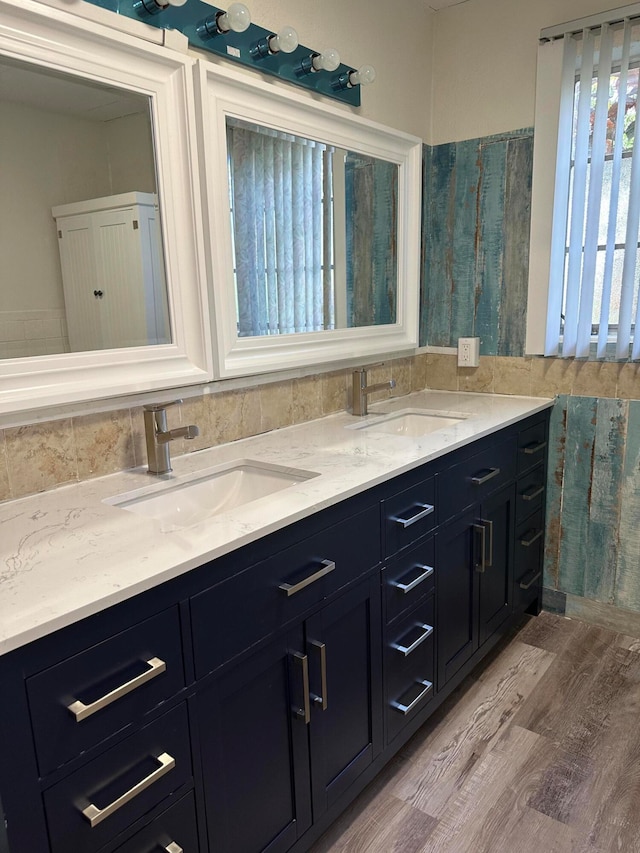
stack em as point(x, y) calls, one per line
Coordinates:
point(361, 390)
point(158, 436)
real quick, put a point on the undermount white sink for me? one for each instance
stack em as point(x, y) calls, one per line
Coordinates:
point(413, 423)
point(190, 499)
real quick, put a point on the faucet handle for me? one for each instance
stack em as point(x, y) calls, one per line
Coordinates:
point(158, 407)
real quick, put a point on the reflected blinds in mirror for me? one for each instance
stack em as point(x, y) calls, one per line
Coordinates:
point(281, 206)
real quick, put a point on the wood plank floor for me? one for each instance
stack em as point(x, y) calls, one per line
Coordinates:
point(539, 752)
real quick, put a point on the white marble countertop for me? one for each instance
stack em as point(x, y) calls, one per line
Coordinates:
point(65, 554)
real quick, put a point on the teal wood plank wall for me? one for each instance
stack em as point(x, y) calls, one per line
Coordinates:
point(476, 208)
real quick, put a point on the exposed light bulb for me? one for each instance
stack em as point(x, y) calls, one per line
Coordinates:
point(152, 7)
point(328, 60)
point(365, 75)
point(285, 41)
point(236, 18)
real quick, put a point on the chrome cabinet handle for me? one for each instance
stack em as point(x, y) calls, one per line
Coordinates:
point(481, 478)
point(81, 711)
point(528, 584)
point(321, 700)
point(95, 815)
point(406, 650)
point(481, 564)
point(527, 542)
point(172, 847)
point(305, 711)
point(292, 588)
point(425, 510)
point(407, 587)
point(532, 493)
point(406, 709)
point(535, 447)
point(489, 525)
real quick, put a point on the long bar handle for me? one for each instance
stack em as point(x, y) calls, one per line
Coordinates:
point(81, 711)
point(172, 847)
point(292, 588)
point(407, 587)
point(305, 711)
point(535, 447)
point(321, 647)
point(528, 584)
point(95, 815)
point(527, 542)
point(532, 493)
point(481, 564)
point(406, 709)
point(425, 510)
point(481, 477)
point(489, 560)
point(406, 650)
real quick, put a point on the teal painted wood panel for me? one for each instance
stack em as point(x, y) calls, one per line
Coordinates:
point(627, 592)
point(604, 499)
point(579, 450)
point(475, 242)
point(515, 264)
point(555, 482)
point(491, 163)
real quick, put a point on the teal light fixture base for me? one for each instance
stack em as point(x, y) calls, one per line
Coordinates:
point(240, 47)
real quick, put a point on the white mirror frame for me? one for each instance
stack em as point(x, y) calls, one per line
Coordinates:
point(56, 39)
point(223, 92)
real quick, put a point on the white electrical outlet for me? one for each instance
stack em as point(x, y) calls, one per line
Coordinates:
point(468, 352)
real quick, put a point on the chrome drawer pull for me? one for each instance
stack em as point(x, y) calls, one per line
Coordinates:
point(527, 542)
point(425, 510)
point(534, 448)
point(532, 493)
point(292, 588)
point(530, 583)
point(173, 848)
point(81, 711)
point(406, 650)
point(407, 587)
point(406, 709)
point(322, 648)
point(480, 478)
point(481, 564)
point(95, 815)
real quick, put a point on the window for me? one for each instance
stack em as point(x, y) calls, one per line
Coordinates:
point(587, 128)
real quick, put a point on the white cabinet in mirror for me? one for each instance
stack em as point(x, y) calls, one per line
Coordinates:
point(312, 227)
point(100, 296)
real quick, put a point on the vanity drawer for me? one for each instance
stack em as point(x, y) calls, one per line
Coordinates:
point(237, 613)
point(176, 826)
point(408, 515)
point(408, 578)
point(120, 786)
point(530, 493)
point(532, 446)
point(83, 700)
point(409, 667)
point(528, 561)
point(472, 479)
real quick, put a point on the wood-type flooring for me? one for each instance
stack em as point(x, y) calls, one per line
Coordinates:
point(538, 752)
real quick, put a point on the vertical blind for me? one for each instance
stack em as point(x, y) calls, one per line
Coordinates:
point(594, 270)
point(282, 219)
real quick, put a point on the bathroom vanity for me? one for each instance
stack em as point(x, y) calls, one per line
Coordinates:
point(232, 685)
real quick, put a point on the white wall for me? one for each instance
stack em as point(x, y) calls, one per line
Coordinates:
point(485, 63)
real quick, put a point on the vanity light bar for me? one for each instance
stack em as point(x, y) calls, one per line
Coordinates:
point(228, 33)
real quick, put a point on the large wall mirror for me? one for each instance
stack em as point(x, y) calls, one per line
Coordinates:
point(103, 282)
point(313, 228)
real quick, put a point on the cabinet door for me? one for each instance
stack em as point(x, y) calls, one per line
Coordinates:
point(253, 732)
point(344, 649)
point(76, 242)
point(457, 595)
point(497, 518)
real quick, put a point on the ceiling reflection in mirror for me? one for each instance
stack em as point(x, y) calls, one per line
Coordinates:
point(80, 237)
point(314, 231)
